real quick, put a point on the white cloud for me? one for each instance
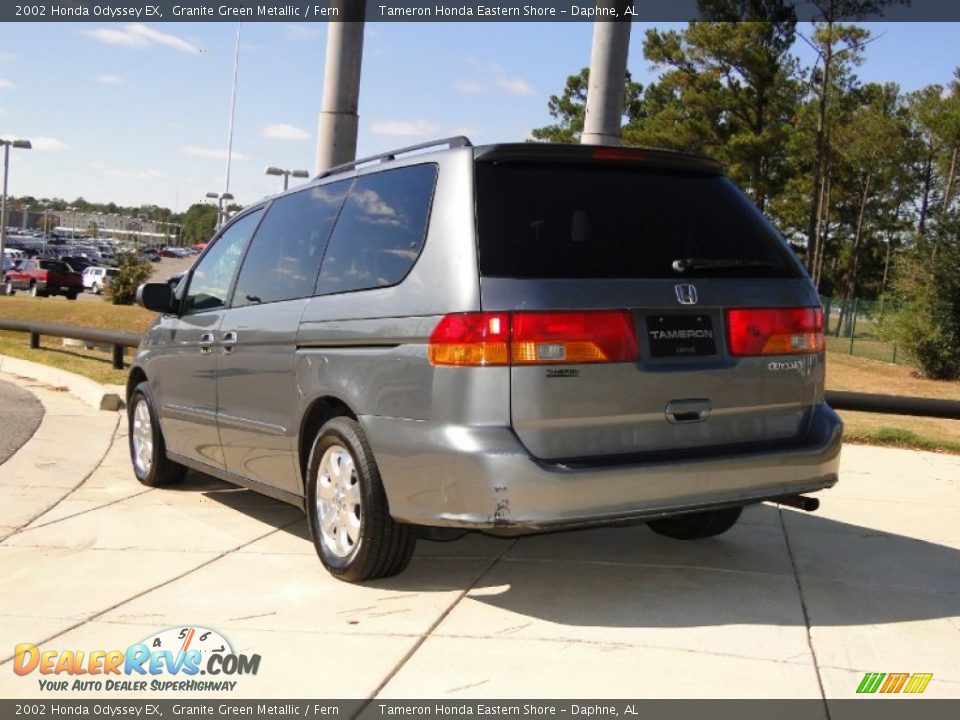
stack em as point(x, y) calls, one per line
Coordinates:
point(6, 85)
point(211, 153)
point(138, 35)
point(470, 87)
point(492, 77)
point(300, 32)
point(514, 85)
point(283, 131)
point(107, 79)
point(404, 128)
point(48, 144)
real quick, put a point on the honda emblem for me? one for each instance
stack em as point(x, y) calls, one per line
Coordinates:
point(686, 294)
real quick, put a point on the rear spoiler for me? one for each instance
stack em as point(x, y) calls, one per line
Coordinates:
point(559, 153)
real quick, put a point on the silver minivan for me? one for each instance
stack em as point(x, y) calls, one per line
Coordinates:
point(508, 338)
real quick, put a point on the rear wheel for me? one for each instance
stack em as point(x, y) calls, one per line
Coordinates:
point(34, 290)
point(71, 296)
point(147, 450)
point(350, 522)
point(95, 289)
point(8, 288)
point(699, 525)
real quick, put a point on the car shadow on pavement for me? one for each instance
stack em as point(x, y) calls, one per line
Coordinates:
point(631, 577)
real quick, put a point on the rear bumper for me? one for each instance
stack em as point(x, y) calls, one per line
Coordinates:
point(482, 478)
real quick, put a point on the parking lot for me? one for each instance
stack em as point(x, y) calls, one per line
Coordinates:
point(785, 605)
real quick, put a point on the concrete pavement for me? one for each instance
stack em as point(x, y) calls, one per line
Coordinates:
point(785, 605)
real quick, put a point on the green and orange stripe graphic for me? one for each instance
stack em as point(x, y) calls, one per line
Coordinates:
point(913, 683)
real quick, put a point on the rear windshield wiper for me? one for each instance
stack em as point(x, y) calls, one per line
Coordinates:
point(684, 264)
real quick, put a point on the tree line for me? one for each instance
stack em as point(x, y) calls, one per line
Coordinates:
point(860, 177)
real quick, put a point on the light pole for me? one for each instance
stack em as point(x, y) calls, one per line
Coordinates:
point(73, 220)
point(286, 174)
point(7, 144)
point(220, 197)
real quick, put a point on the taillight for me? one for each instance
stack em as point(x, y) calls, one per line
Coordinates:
point(471, 339)
point(534, 338)
point(775, 331)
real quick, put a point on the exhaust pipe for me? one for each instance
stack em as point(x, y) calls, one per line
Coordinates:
point(807, 504)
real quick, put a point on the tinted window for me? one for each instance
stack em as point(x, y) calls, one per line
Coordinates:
point(569, 221)
point(380, 231)
point(284, 257)
point(54, 266)
point(211, 279)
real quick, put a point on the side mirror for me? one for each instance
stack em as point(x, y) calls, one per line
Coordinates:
point(155, 296)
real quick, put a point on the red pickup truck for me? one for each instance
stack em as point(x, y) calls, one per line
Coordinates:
point(44, 277)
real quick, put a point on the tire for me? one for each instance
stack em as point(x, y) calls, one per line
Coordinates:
point(95, 289)
point(34, 290)
point(71, 296)
point(348, 516)
point(698, 525)
point(8, 288)
point(148, 453)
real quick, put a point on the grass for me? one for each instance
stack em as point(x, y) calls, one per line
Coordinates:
point(844, 372)
point(96, 313)
point(858, 374)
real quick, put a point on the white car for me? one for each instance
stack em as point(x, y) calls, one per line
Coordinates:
point(96, 278)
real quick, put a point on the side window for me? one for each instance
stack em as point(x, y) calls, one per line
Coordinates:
point(211, 278)
point(284, 256)
point(380, 231)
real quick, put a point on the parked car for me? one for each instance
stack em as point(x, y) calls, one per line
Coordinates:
point(42, 277)
point(509, 338)
point(95, 279)
point(76, 262)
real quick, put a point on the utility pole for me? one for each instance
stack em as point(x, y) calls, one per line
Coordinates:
point(608, 72)
point(338, 122)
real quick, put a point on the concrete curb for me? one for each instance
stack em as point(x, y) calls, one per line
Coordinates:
point(97, 396)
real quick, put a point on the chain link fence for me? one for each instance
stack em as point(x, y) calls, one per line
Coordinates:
point(853, 327)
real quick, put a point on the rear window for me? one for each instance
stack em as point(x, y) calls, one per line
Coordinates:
point(585, 221)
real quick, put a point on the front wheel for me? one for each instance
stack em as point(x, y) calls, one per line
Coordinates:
point(34, 290)
point(147, 450)
point(698, 525)
point(347, 511)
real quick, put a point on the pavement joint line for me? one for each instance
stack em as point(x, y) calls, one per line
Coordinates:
point(659, 566)
point(618, 645)
point(20, 528)
point(806, 616)
point(84, 512)
point(433, 626)
point(135, 596)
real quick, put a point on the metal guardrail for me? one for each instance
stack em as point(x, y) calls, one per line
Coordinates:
point(117, 338)
point(893, 404)
point(837, 399)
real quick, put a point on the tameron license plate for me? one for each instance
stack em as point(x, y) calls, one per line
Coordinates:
point(681, 335)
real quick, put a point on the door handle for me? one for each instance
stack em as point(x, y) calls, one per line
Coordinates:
point(688, 411)
point(206, 342)
point(229, 340)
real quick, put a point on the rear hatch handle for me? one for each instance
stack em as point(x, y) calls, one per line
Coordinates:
point(689, 410)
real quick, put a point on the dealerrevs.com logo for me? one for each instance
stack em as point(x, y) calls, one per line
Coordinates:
point(172, 659)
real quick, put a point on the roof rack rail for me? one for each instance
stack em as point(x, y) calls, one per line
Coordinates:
point(457, 141)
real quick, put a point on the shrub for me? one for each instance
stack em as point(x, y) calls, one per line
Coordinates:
point(132, 273)
point(927, 327)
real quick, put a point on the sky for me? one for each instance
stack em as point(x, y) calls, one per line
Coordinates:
point(138, 113)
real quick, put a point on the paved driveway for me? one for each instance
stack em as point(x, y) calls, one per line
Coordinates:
point(20, 414)
point(786, 605)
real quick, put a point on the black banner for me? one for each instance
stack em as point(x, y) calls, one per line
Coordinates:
point(445, 11)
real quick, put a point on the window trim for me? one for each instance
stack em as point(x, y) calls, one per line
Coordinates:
point(423, 243)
